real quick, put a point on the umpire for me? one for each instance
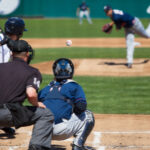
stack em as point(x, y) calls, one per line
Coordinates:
point(19, 81)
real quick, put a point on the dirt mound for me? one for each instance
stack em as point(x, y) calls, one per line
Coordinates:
point(102, 67)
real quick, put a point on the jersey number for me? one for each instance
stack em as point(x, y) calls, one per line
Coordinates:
point(119, 12)
point(36, 82)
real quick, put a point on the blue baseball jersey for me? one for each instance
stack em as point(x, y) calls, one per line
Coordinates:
point(83, 6)
point(69, 90)
point(122, 19)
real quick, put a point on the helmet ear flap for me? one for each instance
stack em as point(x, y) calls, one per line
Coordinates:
point(63, 68)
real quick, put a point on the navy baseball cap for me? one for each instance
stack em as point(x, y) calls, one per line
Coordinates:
point(107, 8)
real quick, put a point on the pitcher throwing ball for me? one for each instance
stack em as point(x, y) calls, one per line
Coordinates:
point(131, 26)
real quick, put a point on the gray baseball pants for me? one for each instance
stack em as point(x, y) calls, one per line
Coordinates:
point(42, 130)
point(137, 28)
point(75, 126)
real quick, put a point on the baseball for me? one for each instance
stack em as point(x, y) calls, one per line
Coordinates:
point(68, 43)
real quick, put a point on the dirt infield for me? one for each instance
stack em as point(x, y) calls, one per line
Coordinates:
point(111, 132)
point(102, 67)
point(84, 42)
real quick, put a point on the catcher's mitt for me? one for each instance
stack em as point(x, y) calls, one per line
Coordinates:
point(107, 28)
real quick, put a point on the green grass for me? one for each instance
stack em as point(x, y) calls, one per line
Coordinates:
point(114, 95)
point(58, 28)
point(54, 53)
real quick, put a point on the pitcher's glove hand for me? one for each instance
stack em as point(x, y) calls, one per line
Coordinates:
point(107, 28)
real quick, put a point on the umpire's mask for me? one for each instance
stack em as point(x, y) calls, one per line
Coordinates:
point(63, 68)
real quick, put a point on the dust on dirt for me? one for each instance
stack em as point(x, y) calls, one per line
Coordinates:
point(111, 132)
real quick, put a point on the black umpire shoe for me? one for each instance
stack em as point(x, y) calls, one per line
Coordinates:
point(75, 147)
point(38, 147)
point(9, 131)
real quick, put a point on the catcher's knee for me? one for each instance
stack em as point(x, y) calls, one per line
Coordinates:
point(86, 130)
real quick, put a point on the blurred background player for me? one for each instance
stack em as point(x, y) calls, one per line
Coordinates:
point(14, 28)
point(67, 101)
point(131, 26)
point(83, 10)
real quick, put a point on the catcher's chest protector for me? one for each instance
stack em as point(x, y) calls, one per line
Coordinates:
point(54, 93)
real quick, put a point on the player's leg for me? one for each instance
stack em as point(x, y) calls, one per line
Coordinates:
point(88, 17)
point(82, 134)
point(78, 126)
point(130, 46)
point(42, 131)
point(139, 29)
point(6, 120)
point(81, 14)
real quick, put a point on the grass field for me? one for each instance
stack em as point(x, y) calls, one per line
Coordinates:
point(54, 53)
point(114, 95)
point(50, 28)
point(124, 95)
point(110, 95)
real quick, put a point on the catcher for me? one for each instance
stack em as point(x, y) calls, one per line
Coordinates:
point(131, 26)
point(66, 99)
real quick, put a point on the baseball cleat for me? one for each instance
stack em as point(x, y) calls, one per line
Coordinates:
point(9, 131)
point(129, 65)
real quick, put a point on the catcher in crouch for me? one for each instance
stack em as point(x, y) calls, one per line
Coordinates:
point(131, 26)
point(67, 101)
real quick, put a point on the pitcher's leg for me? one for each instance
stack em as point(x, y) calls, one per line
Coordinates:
point(130, 47)
point(140, 30)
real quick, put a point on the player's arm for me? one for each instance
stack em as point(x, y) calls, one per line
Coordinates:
point(32, 86)
point(80, 103)
point(111, 23)
point(32, 97)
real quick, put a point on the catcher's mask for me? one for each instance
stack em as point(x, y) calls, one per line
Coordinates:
point(15, 26)
point(63, 68)
point(21, 46)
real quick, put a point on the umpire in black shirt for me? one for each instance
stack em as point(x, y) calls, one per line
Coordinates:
point(19, 81)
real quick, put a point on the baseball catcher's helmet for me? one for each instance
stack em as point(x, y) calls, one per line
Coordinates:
point(15, 25)
point(63, 68)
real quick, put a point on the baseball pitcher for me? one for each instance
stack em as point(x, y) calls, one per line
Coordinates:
point(131, 26)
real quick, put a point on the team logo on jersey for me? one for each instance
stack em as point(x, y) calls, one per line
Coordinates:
point(8, 6)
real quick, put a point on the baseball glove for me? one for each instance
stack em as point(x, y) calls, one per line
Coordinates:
point(107, 28)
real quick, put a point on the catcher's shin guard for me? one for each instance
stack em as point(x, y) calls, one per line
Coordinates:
point(89, 124)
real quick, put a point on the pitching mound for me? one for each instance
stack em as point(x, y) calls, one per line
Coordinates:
point(102, 67)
